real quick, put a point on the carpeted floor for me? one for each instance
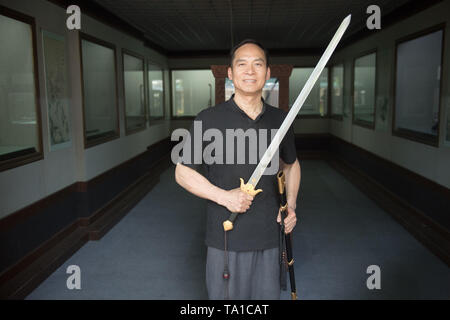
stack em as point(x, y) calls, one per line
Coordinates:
point(157, 251)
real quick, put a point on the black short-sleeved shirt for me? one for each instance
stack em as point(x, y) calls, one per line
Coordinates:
point(256, 229)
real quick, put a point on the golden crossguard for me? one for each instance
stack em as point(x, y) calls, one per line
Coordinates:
point(247, 188)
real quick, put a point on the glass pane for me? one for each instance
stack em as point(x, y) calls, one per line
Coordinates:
point(417, 84)
point(156, 91)
point(193, 91)
point(270, 92)
point(134, 91)
point(337, 95)
point(364, 88)
point(317, 101)
point(19, 132)
point(99, 89)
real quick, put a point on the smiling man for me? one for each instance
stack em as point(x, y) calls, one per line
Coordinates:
point(243, 263)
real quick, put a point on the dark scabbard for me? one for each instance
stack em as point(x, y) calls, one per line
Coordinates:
point(286, 248)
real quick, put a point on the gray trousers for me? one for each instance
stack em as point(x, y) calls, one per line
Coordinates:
point(254, 275)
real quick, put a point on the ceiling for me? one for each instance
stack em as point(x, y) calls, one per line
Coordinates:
point(198, 26)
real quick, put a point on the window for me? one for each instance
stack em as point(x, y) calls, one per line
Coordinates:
point(270, 92)
point(317, 100)
point(20, 123)
point(417, 86)
point(155, 92)
point(337, 91)
point(98, 60)
point(364, 79)
point(192, 91)
point(133, 78)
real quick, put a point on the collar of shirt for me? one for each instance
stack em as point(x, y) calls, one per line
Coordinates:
point(235, 107)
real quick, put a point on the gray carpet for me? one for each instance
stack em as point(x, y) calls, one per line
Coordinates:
point(157, 251)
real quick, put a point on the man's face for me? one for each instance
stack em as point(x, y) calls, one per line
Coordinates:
point(249, 72)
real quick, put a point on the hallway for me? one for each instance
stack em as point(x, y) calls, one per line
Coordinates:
point(157, 251)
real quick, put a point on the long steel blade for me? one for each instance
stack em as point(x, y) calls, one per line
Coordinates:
point(268, 155)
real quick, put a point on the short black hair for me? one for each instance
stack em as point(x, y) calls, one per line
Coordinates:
point(247, 41)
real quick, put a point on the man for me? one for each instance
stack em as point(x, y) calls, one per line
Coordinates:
point(243, 263)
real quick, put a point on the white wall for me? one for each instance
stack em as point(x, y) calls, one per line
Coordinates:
point(430, 162)
point(24, 185)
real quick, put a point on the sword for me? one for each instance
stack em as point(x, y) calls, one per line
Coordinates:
point(249, 187)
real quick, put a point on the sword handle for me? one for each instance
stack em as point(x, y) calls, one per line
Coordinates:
point(247, 188)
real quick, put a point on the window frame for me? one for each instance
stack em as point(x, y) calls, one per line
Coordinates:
point(105, 137)
point(22, 159)
point(150, 117)
point(406, 133)
point(359, 122)
point(141, 57)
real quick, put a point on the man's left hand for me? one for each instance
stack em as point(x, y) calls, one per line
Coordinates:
point(290, 221)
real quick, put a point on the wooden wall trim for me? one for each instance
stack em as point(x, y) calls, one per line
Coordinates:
point(25, 213)
point(81, 186)
point(21, 265)
point(427, 183)
point(22, 278)
point(422, 227)
point(431, 233)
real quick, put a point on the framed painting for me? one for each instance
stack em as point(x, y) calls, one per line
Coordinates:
point(56, 90)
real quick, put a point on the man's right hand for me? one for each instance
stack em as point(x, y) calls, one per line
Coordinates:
point(237, 200)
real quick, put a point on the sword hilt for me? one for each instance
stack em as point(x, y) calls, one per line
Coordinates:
point(247, 188)
point(281, 180)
